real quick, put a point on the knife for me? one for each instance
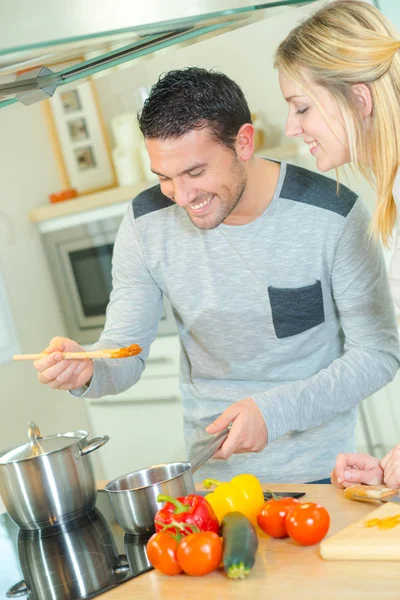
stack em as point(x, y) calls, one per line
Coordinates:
point(372, 493)
point(395, 498)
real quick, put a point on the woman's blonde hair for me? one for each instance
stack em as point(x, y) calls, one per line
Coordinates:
point(344, 43)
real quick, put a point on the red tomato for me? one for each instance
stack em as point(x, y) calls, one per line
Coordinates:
point(200, 553)
point(161, 552)
point(308, 523)
point(273, 514)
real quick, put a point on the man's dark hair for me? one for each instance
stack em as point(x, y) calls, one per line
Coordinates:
point(194, 98)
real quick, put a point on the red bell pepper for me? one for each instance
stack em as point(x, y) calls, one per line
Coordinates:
point(185, 515)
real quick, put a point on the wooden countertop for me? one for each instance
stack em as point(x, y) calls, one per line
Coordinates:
point(283, 570)
point(87, 202)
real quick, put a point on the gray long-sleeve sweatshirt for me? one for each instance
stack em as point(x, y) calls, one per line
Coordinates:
point(292, 309)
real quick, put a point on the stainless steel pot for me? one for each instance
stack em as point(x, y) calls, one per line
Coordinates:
point(73, 563)
point(134, 495)
point(49, 480)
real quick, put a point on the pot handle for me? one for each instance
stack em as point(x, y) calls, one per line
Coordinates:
point(18, 589)
point(209, 449)
point(94, 444)
point(33, 434)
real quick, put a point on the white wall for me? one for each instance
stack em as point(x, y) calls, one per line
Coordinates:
point(27, 176)
point(391, 9)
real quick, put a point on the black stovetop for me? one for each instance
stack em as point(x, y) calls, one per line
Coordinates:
point(84, 559)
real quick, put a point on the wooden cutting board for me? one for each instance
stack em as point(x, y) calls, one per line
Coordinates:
point(358, 542)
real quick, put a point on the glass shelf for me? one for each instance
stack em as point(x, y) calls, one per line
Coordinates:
point(104, 45)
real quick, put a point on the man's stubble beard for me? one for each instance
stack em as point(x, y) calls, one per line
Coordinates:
point(225, 208)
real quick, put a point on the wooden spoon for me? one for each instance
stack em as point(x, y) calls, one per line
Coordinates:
point(126, 352)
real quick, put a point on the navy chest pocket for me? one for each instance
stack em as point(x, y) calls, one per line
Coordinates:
point(295, 310)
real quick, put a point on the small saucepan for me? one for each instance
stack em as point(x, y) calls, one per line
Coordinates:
point(134, 495)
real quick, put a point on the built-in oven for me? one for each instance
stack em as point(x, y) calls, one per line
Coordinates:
point(79, 249)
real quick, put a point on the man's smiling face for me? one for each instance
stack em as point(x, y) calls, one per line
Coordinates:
point(203, 176)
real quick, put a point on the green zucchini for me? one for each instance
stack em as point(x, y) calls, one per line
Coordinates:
point(240, 545)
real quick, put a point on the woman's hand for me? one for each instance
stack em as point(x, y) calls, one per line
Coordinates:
point(358, 468)
point(391, 468)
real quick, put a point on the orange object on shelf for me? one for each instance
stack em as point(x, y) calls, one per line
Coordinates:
point(63, 195)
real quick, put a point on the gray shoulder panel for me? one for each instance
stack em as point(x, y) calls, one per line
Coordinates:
point(149, 201)
point(302, 185)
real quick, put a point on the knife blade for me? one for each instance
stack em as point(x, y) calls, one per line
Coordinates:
point(395, 498)
point(372, 493)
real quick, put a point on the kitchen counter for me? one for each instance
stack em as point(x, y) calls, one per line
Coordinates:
point(283, 570)
point(86, 202)
point(286, 151)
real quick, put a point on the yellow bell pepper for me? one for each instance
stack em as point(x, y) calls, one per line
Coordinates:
point(243, 493)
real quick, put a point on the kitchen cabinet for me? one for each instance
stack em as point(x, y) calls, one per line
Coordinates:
point(145, 423)
point(378, 426)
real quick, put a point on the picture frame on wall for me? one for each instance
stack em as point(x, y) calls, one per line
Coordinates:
point(79, 139)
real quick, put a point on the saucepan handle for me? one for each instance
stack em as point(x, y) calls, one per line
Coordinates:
point(209, 449)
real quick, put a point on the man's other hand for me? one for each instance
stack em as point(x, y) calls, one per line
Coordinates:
point(248, 431)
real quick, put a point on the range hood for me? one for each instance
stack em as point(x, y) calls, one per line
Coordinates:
point(48, 43)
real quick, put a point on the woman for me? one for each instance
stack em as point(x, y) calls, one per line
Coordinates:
point(339, 72)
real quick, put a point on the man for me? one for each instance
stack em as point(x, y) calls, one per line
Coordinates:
point(280, 296)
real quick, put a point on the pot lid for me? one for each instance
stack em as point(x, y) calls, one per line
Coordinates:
point(40, 446)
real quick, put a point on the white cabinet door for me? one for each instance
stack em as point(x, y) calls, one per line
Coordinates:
point(142, 433)
point(145, 423)
point(378, 427)
point(163, 359)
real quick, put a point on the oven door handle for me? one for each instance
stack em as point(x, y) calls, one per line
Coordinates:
point(159, 360)
point(109, 402)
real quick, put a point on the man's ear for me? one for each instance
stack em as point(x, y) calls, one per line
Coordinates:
point(363, 99)
point(245, 141)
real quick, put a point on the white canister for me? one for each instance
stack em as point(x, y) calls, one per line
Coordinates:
point(148, 174)
point(127, 165)
point(126, 132)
